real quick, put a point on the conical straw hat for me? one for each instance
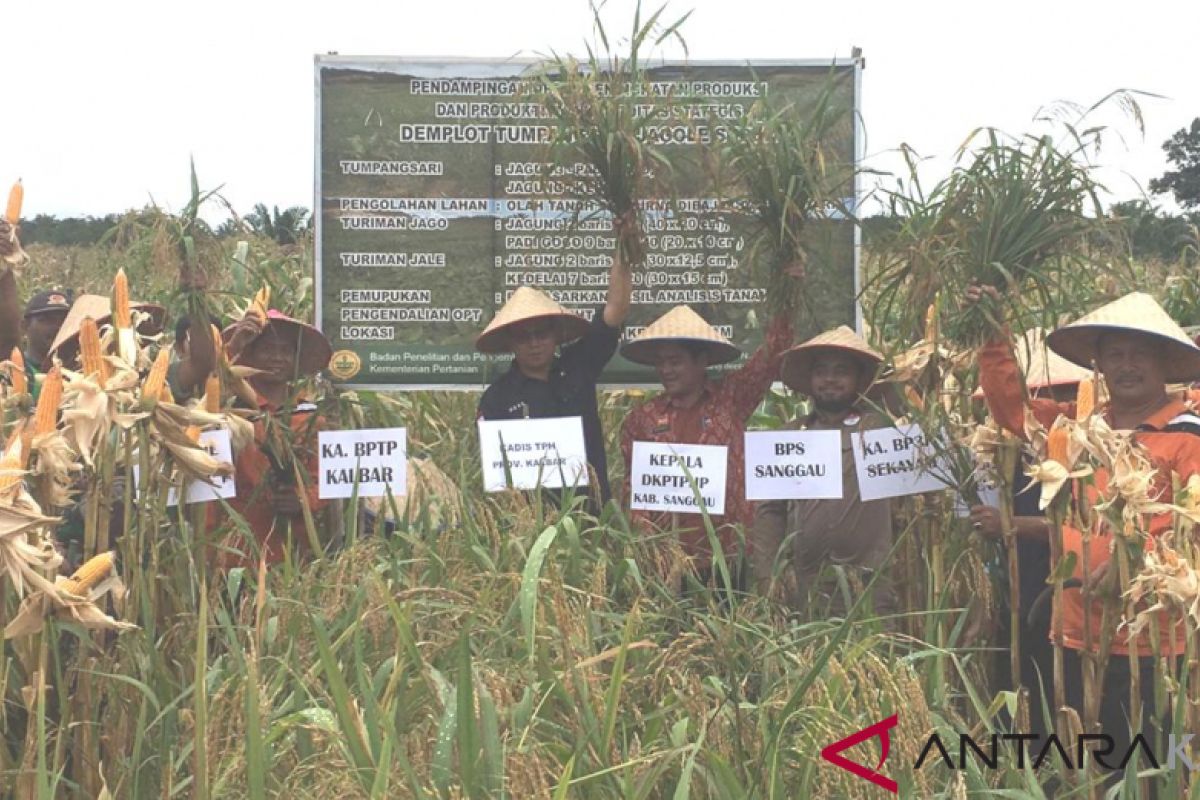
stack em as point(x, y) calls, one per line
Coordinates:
point(99, 308)
point(680, 324)
point(313, 350)
point(796, 370)
point(528, 303)
point(1136, 312)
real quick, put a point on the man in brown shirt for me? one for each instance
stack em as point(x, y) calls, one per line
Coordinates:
point(806, 537)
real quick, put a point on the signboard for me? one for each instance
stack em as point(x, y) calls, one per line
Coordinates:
point(433, 206)
point(663, 473)
point(793, 465)
point(369, 463)
point(893, 462)
point(548, 452)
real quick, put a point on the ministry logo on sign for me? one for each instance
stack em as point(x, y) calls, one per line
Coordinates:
point(344, 364)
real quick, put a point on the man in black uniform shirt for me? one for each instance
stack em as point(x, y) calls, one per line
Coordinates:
point(531, 326)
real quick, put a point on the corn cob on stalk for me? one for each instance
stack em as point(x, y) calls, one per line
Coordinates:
point(91, 357)
point(1085, 399)
point(212, 393)
point(16, 196)
point(16, 372)
point(45, 419)
point(12, 468)
point(123, 319)
point(261, 302)
point(1056, 445)
point(156, 382)
point(94, 571)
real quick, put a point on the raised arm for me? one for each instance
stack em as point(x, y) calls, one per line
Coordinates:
point(745, 386)
point(620, 293)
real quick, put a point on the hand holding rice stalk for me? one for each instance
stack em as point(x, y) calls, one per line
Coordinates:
point(784, 161)
point(594, 110)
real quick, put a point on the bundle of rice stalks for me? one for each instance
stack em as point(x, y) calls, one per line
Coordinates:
point(787, 170)
point(1022, 214)
point(597, 112)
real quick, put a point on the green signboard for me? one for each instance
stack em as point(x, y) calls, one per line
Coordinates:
point(434, 205)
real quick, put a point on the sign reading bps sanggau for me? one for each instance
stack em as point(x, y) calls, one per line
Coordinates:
point(434, 206)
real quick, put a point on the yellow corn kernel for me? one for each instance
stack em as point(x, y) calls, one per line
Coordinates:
point(120, 301)
point(156, 381)
point(212, 393)
point(90, 575)
point(17, 374)
point(16, 196)
point(91, 357)
point(1056, 445)
point(218, 343)
point(1085, 399)
point(45, 419)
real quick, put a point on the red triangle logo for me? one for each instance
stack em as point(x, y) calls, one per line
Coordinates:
point(833, 753)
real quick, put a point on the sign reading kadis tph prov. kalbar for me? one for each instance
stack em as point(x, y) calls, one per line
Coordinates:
point(434, 205)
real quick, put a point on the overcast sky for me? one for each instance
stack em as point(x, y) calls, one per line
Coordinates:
point(105, 102)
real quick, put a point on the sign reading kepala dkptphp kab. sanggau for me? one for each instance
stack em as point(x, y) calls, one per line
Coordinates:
point(666, 476)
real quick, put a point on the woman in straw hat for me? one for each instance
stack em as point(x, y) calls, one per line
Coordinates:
point(283, 350)
point(835, 369)
point(1138, 349)
point(544, 381)
point(692, 409)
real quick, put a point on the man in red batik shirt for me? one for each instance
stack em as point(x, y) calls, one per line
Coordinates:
point(692, 409)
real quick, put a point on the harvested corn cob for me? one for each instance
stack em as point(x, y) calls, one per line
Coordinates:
point(12, 467)
point(212, 393)
point(123, 319)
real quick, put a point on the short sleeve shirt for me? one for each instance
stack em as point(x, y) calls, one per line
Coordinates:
point(569, 392)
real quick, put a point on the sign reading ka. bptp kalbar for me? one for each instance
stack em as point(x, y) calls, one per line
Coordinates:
point(667, 476)
point(366, 463)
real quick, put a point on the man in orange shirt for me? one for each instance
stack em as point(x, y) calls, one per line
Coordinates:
point(1139, 350)
point(269, 496)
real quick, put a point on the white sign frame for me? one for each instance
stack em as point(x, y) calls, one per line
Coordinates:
point(387, 450)
point(530, 440)
point(808, 448)
point(714, 474)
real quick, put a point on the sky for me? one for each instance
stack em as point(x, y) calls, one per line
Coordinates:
point(106, 102)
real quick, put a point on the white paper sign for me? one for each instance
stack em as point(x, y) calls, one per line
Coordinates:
point(989, 493)
point(659, 482)
point(892, 462)
point(220, 447)
point(374, 460)
point(547, 452)
point(793, 465)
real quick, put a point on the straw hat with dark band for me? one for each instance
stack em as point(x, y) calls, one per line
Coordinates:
point(527, 304)
point(1136, 312)
point(680, 325)
point(796, 370)
point(313, 350)
point(99, 308)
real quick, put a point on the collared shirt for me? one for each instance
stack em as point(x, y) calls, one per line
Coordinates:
point(1170, 451)
point(719, 418)
point(845, 531)
point(570, 392)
